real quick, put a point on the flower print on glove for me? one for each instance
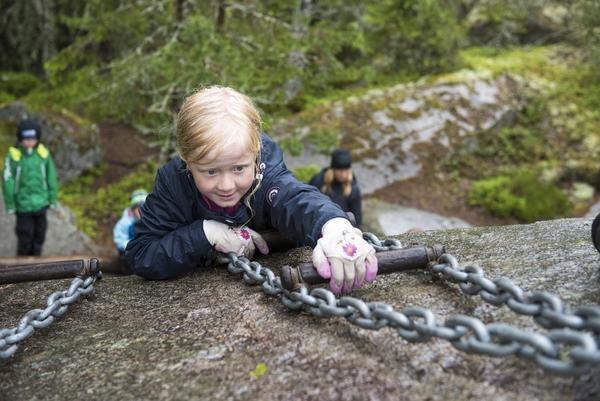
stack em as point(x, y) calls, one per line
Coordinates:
point(344, 257)
point(241, 240)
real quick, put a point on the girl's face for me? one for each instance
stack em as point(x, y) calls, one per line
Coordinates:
point(342, 175)
point(226, 178)
point(29, 143)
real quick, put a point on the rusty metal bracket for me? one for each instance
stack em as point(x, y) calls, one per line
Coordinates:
point(416, 257)
point(49, 270)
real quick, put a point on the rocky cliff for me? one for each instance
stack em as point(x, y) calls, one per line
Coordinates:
point(62, 238)
point(209, 336)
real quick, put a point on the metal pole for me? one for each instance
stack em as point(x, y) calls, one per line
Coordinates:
point(108, 264)
point(19, 269)
point(49, 271)
point(418, 257)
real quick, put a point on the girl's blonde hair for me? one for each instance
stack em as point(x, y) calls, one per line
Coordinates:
point(212, 119)
point(328, 178)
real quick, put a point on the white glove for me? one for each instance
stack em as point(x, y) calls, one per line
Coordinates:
point(344, 256)
point(241, 240)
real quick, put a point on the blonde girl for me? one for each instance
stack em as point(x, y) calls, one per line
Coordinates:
point(228, 182)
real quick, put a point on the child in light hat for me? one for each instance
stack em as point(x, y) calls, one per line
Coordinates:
point(124, 230)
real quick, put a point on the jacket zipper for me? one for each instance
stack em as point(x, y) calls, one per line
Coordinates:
point(43, 167)
point(17, 179)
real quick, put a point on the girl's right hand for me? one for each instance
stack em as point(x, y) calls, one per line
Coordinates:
point(241, 240)
point(344, 257)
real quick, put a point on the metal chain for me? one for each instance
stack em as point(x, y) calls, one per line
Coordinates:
point(57, 305)
point(563, 351)
point(547, 309)
point(388, 244)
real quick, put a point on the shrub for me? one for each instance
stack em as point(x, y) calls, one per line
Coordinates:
point(415, 36)
point(6, 98)
point(521, 144)
point(305, 173)
point(323, 140)
point(588, 18)
point(104, 206)
point(522, 195)
point(291, 145)
point(18, 84)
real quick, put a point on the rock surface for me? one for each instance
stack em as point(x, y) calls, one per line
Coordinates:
point(395, 133)
point(402, 219)
point(209, 336)
point(62, 238)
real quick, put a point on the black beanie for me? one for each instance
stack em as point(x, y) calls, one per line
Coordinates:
point(29, 129)
point(341, 159)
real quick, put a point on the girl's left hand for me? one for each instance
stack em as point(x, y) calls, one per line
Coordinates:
point(344, 256)
point(241, 240)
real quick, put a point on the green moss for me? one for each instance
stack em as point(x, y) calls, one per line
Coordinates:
point(291, 145)
point(305, 173)
point(6, 98)
point(324, 140)
point(7, 139)
point(517, 144)
point(519, 60)
point(522, 195)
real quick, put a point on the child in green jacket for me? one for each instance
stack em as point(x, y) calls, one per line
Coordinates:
point(30, 187)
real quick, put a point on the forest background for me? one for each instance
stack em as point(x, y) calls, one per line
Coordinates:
point(127, 65)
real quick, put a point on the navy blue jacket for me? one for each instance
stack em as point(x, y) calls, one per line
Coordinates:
point(169, 238)
point(351, 203)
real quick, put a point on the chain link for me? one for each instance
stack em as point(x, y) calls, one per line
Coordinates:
point(565, 350)
point(57, 304)
point(547, 309)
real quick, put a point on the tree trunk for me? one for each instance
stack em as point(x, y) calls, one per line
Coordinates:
point(179, 7)
point(220, 19)
point(27, 35)
point(297, 58)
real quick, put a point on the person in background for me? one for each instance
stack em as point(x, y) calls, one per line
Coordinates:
point(30, 186)
point(124, 230)
point(338, 182)
point(228, 181)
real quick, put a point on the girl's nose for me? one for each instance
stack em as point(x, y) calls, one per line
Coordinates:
point(226, 183)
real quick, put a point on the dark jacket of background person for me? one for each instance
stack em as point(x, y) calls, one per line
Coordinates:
point(170, 240)
point(351, 203)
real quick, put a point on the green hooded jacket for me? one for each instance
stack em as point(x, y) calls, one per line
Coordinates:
point(29, 180)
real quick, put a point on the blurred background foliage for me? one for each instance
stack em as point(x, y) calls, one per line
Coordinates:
point(134, 61)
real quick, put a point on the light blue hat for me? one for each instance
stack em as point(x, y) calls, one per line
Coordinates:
point(138, 197)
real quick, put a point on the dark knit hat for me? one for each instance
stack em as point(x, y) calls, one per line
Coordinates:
point(341, 159)
point(29, 129)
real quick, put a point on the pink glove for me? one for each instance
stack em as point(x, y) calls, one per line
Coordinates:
point(241, 240)
point(344, 256)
